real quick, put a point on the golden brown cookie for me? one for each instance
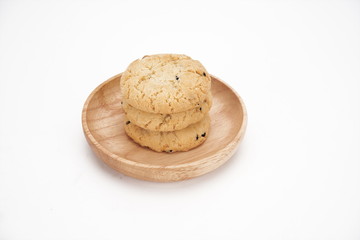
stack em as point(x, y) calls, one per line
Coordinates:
point(180, 140)
point(167, 122)
point(165, 83)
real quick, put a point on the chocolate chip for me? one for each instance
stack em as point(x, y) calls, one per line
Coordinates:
point(204, 74)
point(121, 102)
point(204, 134)
point(200, 108)
point(197, 137)
point(176, 77)
point(128, 122)
point(170, 151)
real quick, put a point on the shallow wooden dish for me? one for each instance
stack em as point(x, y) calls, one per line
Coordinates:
point(102, 120)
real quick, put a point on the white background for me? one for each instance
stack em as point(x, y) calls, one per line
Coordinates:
point(296, 175)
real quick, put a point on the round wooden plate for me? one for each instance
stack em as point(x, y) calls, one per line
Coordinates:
point(102, 120)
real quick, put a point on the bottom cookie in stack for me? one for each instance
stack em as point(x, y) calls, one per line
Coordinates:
point(179, 140)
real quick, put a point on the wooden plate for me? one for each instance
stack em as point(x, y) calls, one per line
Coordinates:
point(102, 120)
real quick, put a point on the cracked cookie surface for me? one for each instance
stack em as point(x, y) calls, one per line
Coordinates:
point(167, 122)
point(180, 140)
point(165, 83)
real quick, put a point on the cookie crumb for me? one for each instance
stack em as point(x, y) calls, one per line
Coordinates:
point(204, 134)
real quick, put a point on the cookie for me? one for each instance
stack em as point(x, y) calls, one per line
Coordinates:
point(180, 140)
point(165, 83)
point(167, 122)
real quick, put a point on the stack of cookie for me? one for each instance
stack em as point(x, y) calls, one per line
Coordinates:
point(166, 100)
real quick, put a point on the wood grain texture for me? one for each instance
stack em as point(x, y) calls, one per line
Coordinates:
point(102, 120)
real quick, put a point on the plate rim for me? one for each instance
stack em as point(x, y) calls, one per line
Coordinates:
point(228, 149)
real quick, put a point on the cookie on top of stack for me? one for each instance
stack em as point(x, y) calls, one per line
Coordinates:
point(166, 100)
